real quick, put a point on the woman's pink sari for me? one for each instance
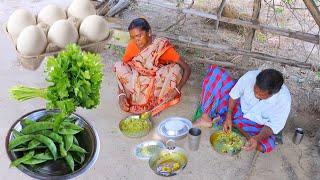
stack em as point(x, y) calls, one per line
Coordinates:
point(147, 82)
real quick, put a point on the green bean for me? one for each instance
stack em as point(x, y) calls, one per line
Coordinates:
point(26, 122)
point(70, 161)
point(49, 143)
point(34, 161)
point(79, 157)
point(19, 140)
point(68, 131)
point(75, 141)
point(16, 133)
point(48, 117)
point(63, 151)
point(68, 141)
point(57, 123)
point(69, 125)
point(38, 126)
point(24, 158)
point(54, 136)
point(77, 149)
point(43, 156)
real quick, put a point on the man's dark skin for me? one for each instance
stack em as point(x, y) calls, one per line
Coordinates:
point(264, 133)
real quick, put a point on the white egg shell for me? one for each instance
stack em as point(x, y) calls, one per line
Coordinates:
point(51, 13)
point(62, 32)
point(18, 20)
point(81, 9)
point(94, 28)
point(32, 41)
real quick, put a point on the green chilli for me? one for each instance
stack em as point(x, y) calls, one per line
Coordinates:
point(48, 117)
point(75, 141)
point(19, 140)
point(70, 161)
point(77, 149)
point(69, 125)
point(43, 156)
point(68, 141)
point(33, 144)
point(49, 143)
point(26, 157)
point(63, 151)
point(34, 161)
point(16, 133)
point(79, 157)
point(68, 131)
point(26, 122)
point(38, 126)
point(54, 136)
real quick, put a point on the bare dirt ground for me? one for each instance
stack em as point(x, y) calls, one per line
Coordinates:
point(116, 160)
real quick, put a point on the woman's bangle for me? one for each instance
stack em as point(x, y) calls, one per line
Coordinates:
point(177, 90)
point(121, 94)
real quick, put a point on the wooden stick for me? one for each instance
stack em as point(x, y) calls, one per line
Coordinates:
point(255, 19)
point(282, 32)
point(122, 4)
point(311, 5)
point(216, 23)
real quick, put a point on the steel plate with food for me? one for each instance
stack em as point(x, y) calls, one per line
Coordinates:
point(147, 149)
point(169, 161)
point(227, 143)
point(136, 126)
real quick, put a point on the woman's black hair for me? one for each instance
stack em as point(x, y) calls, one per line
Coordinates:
point(270, 80)
point(140, 23)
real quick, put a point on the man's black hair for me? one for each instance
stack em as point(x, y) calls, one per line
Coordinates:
point(270, 80)
point(140, 23)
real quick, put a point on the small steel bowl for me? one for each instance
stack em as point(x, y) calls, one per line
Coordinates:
point(138, 133)
point(177, 132)
point(88, 139)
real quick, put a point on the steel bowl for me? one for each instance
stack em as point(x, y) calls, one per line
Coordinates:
point(88, 139)
point(136, 122)
point(174, 128)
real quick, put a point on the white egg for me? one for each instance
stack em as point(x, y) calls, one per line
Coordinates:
point(62, 32)
point(18, 20)
point(81, 9)
point(94, 28)
point(51, 14)
point(32, 41)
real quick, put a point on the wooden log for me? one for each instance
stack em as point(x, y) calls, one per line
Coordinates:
point(312, 7)
point(219, 12)
point(277, 31)
point(254, 19)
point(122, 4)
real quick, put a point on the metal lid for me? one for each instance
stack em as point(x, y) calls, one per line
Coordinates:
point(174, 127)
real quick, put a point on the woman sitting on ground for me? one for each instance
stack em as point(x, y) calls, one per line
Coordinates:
point(151, 73)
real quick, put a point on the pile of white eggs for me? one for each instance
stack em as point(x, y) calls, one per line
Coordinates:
point(79, 21)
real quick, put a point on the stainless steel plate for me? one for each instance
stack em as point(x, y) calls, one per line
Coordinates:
point(88, 139)
point(176, 132)
point(147, 149)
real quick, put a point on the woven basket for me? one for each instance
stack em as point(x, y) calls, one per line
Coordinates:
point(33, 62)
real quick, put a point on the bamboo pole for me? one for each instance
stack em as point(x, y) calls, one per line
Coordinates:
point(278, 31)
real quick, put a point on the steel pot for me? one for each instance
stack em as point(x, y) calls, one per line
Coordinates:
point(88, 139)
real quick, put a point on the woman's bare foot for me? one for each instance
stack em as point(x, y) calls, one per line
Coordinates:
point(205, 121)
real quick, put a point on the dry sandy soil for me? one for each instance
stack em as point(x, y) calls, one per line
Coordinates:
point(116, 160)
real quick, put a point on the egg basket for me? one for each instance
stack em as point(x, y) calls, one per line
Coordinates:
point(33, 62)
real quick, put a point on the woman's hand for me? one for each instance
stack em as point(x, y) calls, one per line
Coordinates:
point(124, 104)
